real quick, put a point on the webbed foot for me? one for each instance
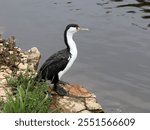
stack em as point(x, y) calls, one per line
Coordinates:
point(59, 90)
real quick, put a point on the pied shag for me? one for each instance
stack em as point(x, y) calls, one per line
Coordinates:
point(59, 63)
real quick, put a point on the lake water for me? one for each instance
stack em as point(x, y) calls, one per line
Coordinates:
point(114, 56)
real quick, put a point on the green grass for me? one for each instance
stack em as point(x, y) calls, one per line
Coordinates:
point(28, 96)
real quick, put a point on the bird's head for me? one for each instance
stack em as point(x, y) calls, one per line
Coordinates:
point(73, 28)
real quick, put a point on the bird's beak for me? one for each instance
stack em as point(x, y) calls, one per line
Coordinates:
point(84, 29)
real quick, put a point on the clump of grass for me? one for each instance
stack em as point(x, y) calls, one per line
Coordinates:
point(28, 96)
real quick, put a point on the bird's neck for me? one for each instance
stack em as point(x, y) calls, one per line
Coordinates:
point(71, 45)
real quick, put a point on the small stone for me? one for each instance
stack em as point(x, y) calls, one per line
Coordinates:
point(24, 55)
point(4, 82)
point(33, 50)
point(11, 52)
point(2, 92)
point(8, 71)
point(21, 72)
point(33, 57)
point(2, 48)
point(31, 67)
point(71, 104)
point(93, 95)
point(91, 104)
point(18, 49)
point(24, 60)
point(3, 75)
point(17, 63)
point(4, 67)
point(7, 43)
point(18, 72)
point(22, 66)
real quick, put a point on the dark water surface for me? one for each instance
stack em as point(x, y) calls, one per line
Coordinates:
point(114, 56)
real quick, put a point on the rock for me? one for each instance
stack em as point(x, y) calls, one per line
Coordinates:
point(78, 100)
point(11, 52)
point(8, 71)
point(21, 62)
point(91, 104)
point(3, 67)
point(31, 67)
point(21, 72)
point(69, 104)
point(3, 82)
point(2, 48)
point(22, 66)
point(2, 92)
point(33, 57)
point(18, 49)
point(3, 75)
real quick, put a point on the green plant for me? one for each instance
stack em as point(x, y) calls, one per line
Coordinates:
point(28, 96)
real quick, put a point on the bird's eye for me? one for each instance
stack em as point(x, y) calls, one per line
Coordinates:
point(77, 28)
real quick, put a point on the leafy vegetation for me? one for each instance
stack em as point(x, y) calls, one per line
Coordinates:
point(28, 96)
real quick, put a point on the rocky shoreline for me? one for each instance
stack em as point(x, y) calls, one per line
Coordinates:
point(14, 61)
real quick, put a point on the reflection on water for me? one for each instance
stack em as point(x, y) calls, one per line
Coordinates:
point(114, 56)
point(140, 4)
point(143, 5)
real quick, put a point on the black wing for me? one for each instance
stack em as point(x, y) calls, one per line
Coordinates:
point(53, 65)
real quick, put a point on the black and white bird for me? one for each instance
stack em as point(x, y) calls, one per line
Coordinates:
point(59, 63)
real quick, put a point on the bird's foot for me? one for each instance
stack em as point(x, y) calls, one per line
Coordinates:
point(61, 91)
point(63, 82)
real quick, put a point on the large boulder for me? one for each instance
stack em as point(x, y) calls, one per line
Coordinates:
point(78, 100)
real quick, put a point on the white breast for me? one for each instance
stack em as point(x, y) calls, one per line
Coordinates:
point(72, 58)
